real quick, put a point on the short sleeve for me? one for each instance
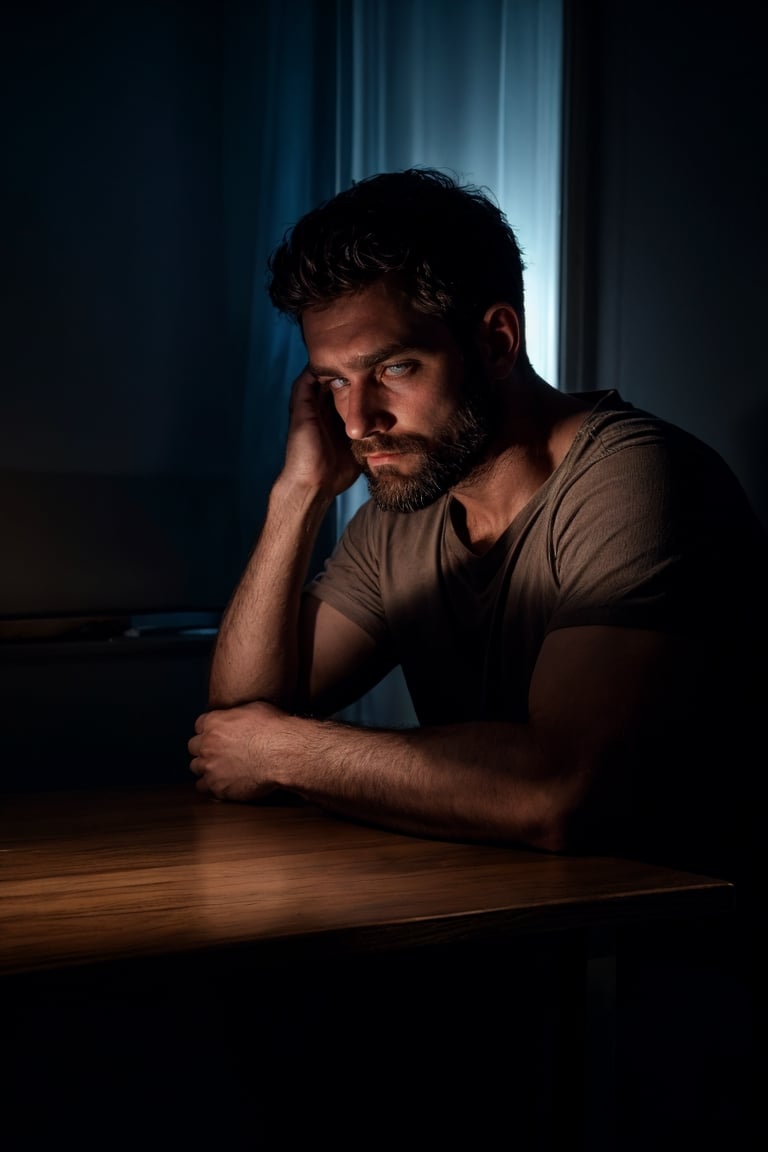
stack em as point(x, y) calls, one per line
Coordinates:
point(629, 538)
point(349, 581)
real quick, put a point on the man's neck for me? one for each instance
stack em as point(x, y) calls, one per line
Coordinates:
point(537, 425)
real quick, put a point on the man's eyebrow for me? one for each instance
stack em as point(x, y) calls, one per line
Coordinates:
point(364, 360)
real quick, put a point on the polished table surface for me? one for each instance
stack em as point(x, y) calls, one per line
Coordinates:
point(157, 945)
point(92, 877)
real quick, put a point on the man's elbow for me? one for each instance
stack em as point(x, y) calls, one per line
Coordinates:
point(573, 817)
point(554, 835)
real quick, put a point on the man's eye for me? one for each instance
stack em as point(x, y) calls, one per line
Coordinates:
point(401, 369)
point(336, 383)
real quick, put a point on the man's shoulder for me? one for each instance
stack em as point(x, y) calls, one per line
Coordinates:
point(613, 423)
point(609, 414)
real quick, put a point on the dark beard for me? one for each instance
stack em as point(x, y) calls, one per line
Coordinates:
point(445, 460)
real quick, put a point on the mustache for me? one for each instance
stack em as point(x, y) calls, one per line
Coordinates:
point(380, 442)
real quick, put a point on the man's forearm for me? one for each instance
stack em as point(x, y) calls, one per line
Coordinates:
point(485, 781)
point(256, 652)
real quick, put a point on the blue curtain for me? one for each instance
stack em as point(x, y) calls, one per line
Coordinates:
point(320, 92)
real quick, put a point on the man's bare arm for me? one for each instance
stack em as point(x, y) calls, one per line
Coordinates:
point(544, 783)
point(256, 655)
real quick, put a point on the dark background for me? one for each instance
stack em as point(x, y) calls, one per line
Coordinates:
point(125, 305)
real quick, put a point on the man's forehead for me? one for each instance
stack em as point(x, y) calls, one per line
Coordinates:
point(369, 327)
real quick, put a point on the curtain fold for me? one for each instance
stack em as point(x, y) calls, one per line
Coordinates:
point(323, 92)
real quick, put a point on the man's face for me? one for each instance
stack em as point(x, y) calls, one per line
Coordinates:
point(416, 417)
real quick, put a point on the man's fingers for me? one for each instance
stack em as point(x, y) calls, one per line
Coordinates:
point(304, 389)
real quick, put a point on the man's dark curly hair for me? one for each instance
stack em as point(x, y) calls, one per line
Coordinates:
point(449, 244)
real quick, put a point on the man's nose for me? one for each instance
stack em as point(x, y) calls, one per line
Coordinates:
point(364, 412)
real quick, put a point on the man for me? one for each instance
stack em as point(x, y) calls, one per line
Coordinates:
point(569, 584)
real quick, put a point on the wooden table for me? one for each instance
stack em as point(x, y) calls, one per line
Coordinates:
point(100, 888)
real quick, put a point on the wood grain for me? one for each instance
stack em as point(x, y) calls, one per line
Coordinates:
point(93, 877)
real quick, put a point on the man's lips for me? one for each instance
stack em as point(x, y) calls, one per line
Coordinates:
point(375, 459)
point(375, 453)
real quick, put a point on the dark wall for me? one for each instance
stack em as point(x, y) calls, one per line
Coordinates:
point(679, 177)
point(119, 418)
point(119, 422)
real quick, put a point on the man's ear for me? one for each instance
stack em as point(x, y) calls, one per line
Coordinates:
point(498, 340)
